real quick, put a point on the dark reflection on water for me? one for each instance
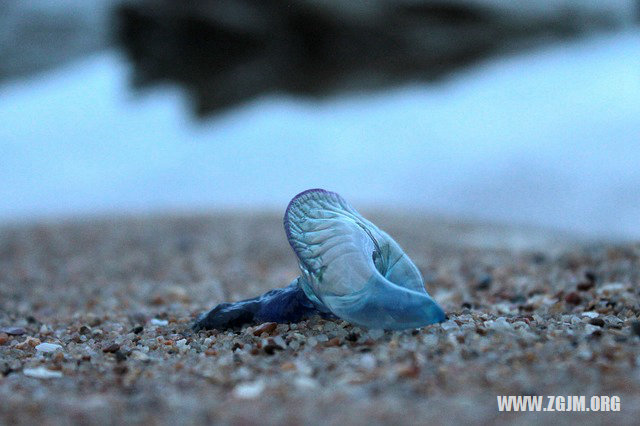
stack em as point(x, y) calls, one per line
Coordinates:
point(225, 52)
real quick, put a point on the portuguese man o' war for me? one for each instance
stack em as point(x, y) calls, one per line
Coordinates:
point(350, 269)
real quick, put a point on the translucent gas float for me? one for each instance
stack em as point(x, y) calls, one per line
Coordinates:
point(349, 269)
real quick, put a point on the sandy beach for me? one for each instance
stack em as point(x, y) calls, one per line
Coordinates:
point(95, 319)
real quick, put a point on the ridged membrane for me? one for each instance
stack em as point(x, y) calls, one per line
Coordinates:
point(352, 268)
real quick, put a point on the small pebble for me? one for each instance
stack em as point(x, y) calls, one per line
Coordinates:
point(48, 347)
point(448, 325)
point(41, 373)
point(4, 338)
point(573, 298)
point(368, 361)
point(352, 337)
point(29, 342)
point(585, 285)
point(323, 337)
point(333, 342)
point(611, 288)
point(249, 390)
point(267, 327)
point(499, 324)
point(597, 321)
point(408, 371)
point(271, 347)
point(111, 348)
point(589, 328)
point(159, 322)
point(282, 328)
point(13, 331)
point(294, 344)
point(278, 340)
point(139, 356)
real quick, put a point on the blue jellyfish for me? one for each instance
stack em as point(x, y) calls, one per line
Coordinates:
point(349, 268)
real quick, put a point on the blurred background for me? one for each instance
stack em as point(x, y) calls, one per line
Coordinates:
point(494, 110)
